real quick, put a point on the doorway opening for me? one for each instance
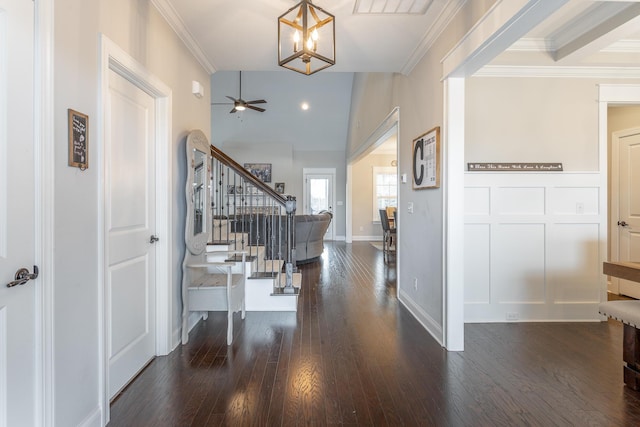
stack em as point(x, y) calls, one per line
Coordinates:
point(380, 150)
point(623, 142)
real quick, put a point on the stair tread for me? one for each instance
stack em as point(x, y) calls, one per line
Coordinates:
point(220, 242)
point(215, 281)
point(238, 258)
point(277, 292)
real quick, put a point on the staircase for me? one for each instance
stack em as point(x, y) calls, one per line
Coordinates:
point(248, 215)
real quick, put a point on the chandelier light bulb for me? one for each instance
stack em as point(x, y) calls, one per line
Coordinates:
point(296, 40)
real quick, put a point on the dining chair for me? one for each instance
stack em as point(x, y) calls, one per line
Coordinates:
point(389, 236)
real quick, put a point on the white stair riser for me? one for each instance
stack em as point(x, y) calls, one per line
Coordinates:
point(258, 297)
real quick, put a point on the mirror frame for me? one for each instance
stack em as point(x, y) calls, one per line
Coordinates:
point(196, 244)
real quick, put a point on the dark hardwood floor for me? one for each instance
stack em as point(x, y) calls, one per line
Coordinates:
point(352, 355)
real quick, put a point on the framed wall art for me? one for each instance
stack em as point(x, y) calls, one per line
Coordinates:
point(426, 160)
point(262, 171)
point(279, 187)
point(78, 139)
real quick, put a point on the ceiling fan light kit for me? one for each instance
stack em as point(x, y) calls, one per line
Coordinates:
point(240, 104)
point(306, 38)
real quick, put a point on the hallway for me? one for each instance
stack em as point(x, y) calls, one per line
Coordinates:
point(352, 355)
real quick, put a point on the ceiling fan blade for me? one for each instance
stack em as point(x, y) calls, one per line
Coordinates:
point(233, 99)
point(257, 101)
point(256, 108)
point(233, 111)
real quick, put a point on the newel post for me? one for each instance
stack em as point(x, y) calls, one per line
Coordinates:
point(290, 207)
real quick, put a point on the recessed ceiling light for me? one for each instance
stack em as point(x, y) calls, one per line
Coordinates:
point(304, 106)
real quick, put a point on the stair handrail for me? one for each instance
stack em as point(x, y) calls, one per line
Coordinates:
point(288, 202)
point(246, 175)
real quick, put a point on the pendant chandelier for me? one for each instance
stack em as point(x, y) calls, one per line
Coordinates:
point(306, 38)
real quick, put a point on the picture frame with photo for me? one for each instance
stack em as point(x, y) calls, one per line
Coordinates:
point(279, 187)
point(262, 171)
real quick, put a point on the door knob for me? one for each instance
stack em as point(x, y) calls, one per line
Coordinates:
point(153, 238)
point(23, 276)
point(622, 224)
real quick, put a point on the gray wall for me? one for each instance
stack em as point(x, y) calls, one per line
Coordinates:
point(136, 27)
point(419, 97)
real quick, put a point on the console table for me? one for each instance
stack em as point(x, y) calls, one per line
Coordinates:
point(623, 270)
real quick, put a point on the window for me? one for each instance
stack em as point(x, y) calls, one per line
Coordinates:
point(385, 189)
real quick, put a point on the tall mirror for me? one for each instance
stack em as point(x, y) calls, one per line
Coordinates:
point(198, 153)
point(199, 185)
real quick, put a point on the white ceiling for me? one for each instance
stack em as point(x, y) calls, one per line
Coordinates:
point(371, 36)
point(242, 34)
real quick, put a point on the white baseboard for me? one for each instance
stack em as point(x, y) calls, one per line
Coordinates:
point(428, 322)
point(93, 419)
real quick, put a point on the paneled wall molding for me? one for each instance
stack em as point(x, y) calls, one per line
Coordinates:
point(533, 246)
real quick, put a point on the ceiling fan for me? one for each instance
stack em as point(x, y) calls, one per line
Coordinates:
point(240, 104)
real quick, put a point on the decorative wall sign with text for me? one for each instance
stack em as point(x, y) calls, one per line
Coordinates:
point(515, 167)
point(426, 160)
point(78, 139)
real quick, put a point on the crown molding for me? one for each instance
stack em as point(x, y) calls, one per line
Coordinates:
point(558, 72)
point(177, 24)
point(444, 19)
point(624, 46)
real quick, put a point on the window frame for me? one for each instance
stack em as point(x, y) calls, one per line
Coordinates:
point(381, 170)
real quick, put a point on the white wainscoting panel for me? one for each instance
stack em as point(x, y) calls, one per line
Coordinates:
point(477, 201)
point(573, 270)
point(477, 262)
point(574, 200)
point(518, 263)
point(519, 200)
point(534, 246)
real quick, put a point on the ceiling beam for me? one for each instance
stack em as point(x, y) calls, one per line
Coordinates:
point(599, 36)
point(505, 23)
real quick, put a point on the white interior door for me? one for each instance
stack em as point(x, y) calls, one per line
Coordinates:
point(319, 191)
point(130, 223)
point(18, 342)
point(628, 221)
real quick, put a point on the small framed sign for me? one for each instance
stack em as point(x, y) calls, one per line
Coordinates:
point(515, 167)
point(426, 160)
point(78, 139)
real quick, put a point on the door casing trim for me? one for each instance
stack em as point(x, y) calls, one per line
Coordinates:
point(113, 58)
